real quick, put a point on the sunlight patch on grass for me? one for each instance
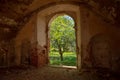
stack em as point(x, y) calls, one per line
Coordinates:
point(69, 59)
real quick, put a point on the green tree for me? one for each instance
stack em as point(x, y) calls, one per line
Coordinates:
point(62, 34)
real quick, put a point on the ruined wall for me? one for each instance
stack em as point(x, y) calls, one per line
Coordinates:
point(7, 53)
point(25, 42)
point(100, 41)
point(97, 40)
point(42, 40)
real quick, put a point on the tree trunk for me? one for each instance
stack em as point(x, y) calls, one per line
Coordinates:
point(61, 53)
point(61, 56)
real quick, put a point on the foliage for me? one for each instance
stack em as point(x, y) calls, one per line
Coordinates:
point(69, 59)
point(62, 34)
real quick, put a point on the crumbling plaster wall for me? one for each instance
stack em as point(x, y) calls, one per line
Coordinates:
point(100, 41)
point(97, 40)
point(26, 39)
point(39, 24)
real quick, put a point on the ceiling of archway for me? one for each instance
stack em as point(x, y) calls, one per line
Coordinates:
point(15, 13)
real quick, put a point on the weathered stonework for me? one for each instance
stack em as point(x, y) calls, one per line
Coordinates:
point(25, 52)
point(7, 54)
point(99, 50)
point(38, 56)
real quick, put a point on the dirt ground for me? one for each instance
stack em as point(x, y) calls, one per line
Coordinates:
point(45, 73)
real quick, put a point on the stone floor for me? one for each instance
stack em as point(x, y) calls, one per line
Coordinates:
point(46, 73)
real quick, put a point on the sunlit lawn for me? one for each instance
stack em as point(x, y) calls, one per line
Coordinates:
point(69, 59)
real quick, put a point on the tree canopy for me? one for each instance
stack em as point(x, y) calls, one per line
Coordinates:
point(62, 34)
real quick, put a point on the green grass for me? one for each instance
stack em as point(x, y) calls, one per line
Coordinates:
point(69, 58)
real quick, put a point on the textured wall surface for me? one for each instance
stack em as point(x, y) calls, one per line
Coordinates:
point(7, 53)
point(98, 42)
point(25, 41)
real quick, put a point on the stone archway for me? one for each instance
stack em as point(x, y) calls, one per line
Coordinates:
point(45, 16)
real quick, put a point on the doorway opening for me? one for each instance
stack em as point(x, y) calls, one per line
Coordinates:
point(62, 50)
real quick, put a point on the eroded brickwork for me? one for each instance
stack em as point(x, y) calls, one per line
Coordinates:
point(39, 56)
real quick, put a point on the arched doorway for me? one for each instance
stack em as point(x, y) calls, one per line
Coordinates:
point(62, 34)
point(46, 16)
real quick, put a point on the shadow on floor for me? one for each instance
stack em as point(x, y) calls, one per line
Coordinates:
point(47, 73)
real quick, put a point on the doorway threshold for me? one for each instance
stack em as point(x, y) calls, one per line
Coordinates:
point(63, 66)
